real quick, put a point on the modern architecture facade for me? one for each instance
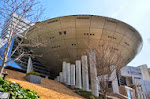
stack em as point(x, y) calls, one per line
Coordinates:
point(14, 23)
point(69, 36)
point(17, 24)
point(137, 78)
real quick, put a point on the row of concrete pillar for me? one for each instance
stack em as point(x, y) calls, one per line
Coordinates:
point(71, 74)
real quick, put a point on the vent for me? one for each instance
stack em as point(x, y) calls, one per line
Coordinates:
point(88, 34)
point(115, 49)
point(127, 43)
point(82, 17)
point(73, 44)
point(91, 34)
point(51, 37)
point(65, 32)
point(52, 21)
point(56, 47)
point(60, 33)
point(112, 37)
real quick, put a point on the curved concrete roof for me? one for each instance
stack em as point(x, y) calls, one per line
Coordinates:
point(69, 36)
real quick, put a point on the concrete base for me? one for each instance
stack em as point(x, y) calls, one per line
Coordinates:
point(4, 95)
point(73, 86)
point(33, 79)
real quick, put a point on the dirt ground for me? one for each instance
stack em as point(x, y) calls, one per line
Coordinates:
point(48, 89)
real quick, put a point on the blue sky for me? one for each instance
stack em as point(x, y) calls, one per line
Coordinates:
point(134, 12)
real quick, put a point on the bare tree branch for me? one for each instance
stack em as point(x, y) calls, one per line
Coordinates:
point(23, 9)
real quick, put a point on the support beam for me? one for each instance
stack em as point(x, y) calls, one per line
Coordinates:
point(93, 73)
point(85, 76)
point(78, 74)
point(72, 83)
point(68, 74)
point(64, 72)
point(29, 66)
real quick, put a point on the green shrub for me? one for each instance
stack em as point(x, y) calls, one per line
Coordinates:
point(16, 91)
point(33, 73)
point(86, 94)
point(92, 97)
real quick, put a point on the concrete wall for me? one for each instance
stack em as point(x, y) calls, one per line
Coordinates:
point(129, 71)
point(145, 72)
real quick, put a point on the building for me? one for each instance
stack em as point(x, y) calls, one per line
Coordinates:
point(137, 78)
point(69, 36)
point(18, 24)
point(14, 23)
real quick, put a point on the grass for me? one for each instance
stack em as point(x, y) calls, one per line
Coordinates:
point(48, 89)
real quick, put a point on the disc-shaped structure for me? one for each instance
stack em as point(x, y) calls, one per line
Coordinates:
point(69, 36)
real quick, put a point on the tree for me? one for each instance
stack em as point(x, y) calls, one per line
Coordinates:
point(13, 15)
point(108, 61)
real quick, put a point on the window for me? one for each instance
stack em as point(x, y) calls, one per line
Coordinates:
point(109, 84)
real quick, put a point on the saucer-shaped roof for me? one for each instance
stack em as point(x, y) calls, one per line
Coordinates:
point(69, 36)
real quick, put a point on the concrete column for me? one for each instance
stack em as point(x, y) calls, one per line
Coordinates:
point(78, 74)
point(115, 86)
point(60, 77)
point(68, 74)
point(98, 79)
point(29, 66)
point(85, 76)
point(93, 73)
point(57, 78)
point(64, 72)
point(114, 82)
point(46, 76)
point(72, 75)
